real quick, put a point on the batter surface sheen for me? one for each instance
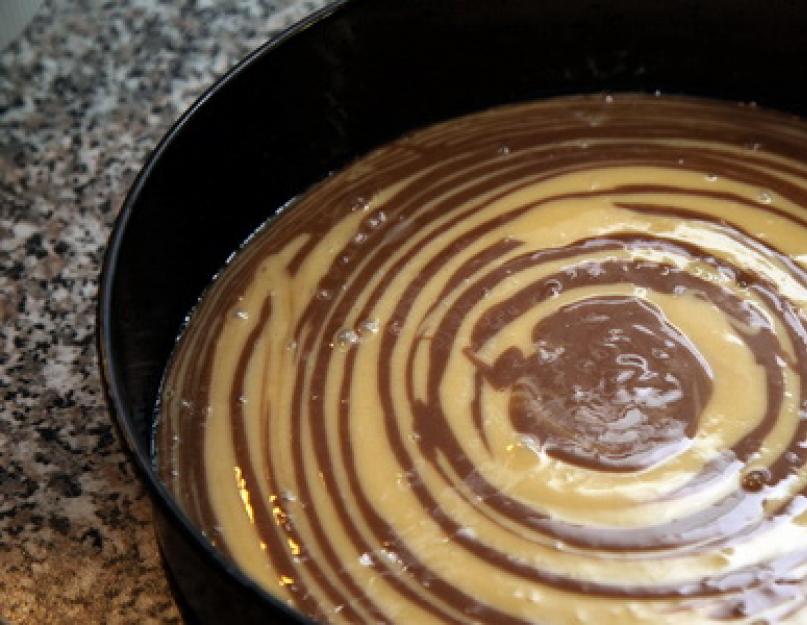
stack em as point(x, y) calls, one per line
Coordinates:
point(545, 364)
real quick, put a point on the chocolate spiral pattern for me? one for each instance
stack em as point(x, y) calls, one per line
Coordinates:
point(543, 364)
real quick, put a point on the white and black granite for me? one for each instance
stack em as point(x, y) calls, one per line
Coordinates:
point(85, 93)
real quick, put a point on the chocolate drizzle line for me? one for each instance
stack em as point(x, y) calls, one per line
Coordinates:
point(448, 176)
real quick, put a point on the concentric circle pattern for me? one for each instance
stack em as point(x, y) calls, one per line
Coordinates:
point(545, 364)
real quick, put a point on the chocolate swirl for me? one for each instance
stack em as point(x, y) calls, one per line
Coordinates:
point(542, 364)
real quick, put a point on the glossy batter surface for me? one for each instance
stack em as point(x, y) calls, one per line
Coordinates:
point(545, 364)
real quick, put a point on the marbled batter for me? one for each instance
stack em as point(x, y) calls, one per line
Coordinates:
point(544, 364)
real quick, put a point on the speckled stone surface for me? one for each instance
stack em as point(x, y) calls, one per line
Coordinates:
point(85, 93)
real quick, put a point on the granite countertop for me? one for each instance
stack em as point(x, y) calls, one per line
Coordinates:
point(85, 93)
